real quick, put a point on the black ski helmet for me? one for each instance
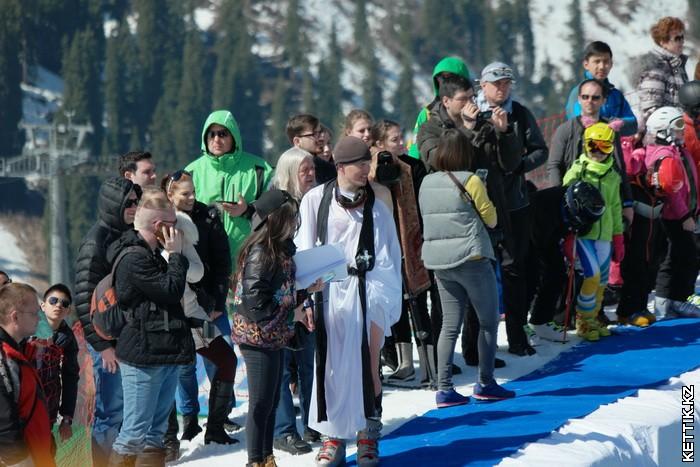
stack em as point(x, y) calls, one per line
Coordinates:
point(689, 98)
point(583, 206)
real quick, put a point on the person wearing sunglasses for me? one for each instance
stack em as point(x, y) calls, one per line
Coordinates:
point(604, 241)
point(663, 69)
point(229, 177)
point(116, 209)
point(60, 380)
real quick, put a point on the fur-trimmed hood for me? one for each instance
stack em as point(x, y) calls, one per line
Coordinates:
point(189, 229)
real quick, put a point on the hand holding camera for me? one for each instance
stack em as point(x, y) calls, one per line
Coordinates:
point(470, 112)
point(499, 118)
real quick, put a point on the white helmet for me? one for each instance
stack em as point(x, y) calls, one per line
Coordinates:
point(664, 122)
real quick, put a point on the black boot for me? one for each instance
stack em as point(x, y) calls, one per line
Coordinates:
point(172, 445)
point(121, 460)
point(151, 457)
point(219, 407)
point(190, 427)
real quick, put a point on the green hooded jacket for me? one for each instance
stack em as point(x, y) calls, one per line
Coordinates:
point(450, 64)
point(222, 178)
point(603, 176)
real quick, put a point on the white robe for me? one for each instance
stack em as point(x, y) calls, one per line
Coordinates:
point(342, 309)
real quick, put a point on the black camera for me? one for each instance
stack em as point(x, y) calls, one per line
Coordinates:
point(485, 115)
point(388, 172)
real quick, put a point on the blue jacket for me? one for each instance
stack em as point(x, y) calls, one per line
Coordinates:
point(616, 106)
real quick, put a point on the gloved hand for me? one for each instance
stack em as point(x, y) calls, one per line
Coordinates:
point(618, 245)
point(616, 124)
point(568, 246)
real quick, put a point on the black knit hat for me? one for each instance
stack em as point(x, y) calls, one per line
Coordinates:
point(268, 202)
point(350, 149)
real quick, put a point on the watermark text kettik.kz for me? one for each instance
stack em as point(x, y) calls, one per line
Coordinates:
point(687, 422)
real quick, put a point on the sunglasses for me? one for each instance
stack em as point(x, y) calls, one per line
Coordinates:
point(54, 300)
point(605, 147)
point(593, 97)
point(175, 177)
point(130, 203)
point(678, 38)
point(211, 134)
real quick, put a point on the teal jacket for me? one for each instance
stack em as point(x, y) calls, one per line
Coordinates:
point(222, 178)
point(603, 176)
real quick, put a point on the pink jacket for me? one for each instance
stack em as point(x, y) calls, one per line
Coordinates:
point(677, 205)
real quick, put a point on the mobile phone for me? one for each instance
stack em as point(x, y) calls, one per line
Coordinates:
point(482, 174)
point(485, 115)
point(229, 202)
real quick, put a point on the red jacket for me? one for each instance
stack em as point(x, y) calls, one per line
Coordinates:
point(24, 419)
point(692, 142)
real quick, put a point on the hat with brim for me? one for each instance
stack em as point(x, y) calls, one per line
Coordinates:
point(496, 71)
point(268, 202)
point(351, 149)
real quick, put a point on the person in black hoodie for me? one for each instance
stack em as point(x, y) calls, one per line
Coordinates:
point(116, 210)
point(156, 337)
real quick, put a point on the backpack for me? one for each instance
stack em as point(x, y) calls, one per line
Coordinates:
point(107, 318)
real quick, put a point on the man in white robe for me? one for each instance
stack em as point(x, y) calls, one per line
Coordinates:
point(339, 403)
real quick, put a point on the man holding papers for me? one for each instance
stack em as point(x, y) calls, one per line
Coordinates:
point(355, 313)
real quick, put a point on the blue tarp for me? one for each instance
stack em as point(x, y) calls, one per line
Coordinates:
point(572, 385)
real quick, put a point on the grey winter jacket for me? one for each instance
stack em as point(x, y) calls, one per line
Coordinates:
point(661, 77)
point(453, 230)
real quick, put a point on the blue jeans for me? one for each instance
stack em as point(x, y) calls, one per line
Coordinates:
point(150, 391)
point(109, 404)
point(285, 419)
point(188, 389)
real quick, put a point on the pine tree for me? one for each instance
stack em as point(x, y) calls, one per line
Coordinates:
point(10, 76)
point(162, 129)
point(330, 89)
point(121, 92)
point(278, 119)
point(438, 32)
point(576, 39)
point(237, 76)
point(308, 101)
point(364, 54)
point(405, 107)
point(193, 100)
point(293, 43)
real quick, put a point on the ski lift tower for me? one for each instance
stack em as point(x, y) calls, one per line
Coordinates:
point(50, 152)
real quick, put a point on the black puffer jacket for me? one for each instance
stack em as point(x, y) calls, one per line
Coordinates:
point(150, 291)
point(92, 264)
point(214, 252)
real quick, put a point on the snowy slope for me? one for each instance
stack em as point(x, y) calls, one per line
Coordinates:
point(13, 260)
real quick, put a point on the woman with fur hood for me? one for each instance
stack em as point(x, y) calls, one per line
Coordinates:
point(200, 303)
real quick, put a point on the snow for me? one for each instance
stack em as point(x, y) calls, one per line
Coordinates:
point(13, 260)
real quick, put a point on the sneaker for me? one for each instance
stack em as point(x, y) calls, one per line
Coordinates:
point(641, 319)
point(550, 331)
point(367, 451)
point(522, 351)
point(449, 398)
point(683, 310)
point(292, 444)
point(332, 453)
point(492, 392)
point(532, 337)
point(311, 435)
point(694, 299)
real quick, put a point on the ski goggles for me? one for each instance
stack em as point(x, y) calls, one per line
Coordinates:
point(677, 124)
point(606, 147)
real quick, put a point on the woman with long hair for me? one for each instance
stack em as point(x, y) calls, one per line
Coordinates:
point(206, 248)
point(456, 245)
point(268, 303)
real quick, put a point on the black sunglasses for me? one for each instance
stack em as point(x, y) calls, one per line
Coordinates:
point(131, 202)
point(594, 97)
point(54, 300)
point(211, 134)
point(679, 38)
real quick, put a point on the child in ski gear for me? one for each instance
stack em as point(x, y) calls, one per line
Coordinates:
point(605, 240)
